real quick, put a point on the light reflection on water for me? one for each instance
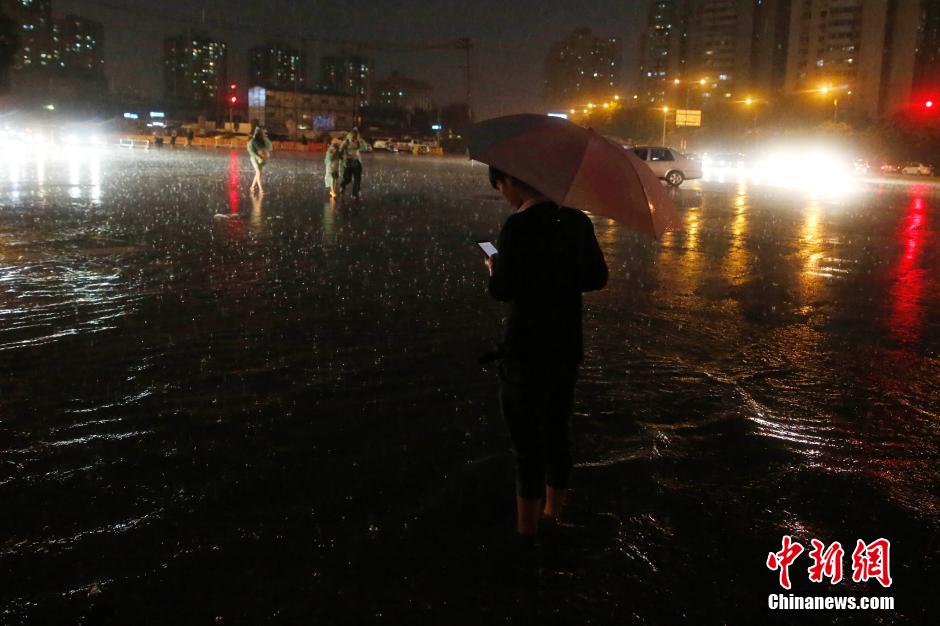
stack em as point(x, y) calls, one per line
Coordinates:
point(907, 292)
point(736, 260)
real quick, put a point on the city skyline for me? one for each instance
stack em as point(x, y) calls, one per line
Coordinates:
point(514, 39)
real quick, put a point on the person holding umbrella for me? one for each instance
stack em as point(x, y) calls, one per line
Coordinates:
point(546, 256)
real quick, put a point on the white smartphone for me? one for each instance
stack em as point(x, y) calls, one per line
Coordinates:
point(488, 248)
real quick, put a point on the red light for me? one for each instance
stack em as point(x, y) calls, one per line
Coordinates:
point(233, 86)
point(929, 104)
point(234, 99)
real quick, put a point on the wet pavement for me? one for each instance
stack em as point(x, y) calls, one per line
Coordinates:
point(215, 409)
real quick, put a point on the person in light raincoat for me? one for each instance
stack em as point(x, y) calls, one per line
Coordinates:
point(259, 147)
point(332, 161)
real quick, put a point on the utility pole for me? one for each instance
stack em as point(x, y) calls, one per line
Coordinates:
point(665, 115)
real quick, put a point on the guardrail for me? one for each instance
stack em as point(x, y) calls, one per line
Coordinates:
point(134, 143)
point(238, 143)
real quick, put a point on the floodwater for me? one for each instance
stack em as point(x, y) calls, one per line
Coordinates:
point(215, 409)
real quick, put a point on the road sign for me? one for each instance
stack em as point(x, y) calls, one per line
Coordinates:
point(688, 117)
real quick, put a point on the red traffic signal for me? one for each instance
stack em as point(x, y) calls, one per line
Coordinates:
point(233, 86)
point(233, 99)
point(928, 104)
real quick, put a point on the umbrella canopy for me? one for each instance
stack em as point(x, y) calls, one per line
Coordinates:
point(576, 167)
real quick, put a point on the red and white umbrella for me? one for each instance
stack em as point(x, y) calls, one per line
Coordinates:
point(575, 167)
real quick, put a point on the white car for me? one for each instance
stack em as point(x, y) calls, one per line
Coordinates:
point(917, 169)
point(669, 164)
point(384, 144)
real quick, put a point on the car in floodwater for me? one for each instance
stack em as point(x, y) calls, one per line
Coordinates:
point(669, 164)
point(917, 169)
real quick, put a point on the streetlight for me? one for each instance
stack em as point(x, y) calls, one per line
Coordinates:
point(825, 90)
point(749, 102)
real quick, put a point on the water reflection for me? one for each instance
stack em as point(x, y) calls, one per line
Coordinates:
point(233, 190)
point(735, 263)
point(329, 222)
point(94, 174)
point(75, 174)
point(256, 219)
point(907, 311)
point(811, 249)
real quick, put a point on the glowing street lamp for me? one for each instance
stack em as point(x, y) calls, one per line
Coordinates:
point(749, 102)
point(826, 90)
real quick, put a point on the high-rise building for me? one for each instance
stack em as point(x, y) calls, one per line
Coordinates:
point(35, 32)
point(277, 65)
point(582, 67)
point(713, 48)
point(351, 74)
point(400, 92)
point(869, 56)
point(77, 44)
point(769, 46)
point(663, 48)
point(720, 43)
point(927, 62)
point(194, 69)
point(59, 59)
point(860, 53)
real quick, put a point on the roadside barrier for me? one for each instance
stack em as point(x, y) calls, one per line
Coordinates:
point(134, 143)
point(233, 143)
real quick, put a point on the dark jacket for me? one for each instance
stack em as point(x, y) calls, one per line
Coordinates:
point(547, 256)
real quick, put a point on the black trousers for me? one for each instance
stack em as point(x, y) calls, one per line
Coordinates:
point(537, 399)
point(352, 172)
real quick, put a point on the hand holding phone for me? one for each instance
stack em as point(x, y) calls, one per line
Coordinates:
point(488, 248)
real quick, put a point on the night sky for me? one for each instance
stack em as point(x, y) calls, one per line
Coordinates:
point(511, 38)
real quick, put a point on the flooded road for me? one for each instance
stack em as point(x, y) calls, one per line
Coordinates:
point(215, 409)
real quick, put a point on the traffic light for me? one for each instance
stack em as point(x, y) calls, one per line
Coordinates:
point(233, 99)
point(928, 104)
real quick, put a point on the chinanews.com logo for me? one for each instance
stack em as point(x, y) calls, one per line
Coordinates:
point(870, 561)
